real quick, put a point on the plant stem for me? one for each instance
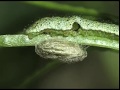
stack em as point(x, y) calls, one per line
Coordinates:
point(86, 39)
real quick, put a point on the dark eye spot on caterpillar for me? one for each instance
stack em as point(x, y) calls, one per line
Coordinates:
point(75, 26)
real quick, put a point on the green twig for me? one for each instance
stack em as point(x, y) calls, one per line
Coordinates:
point(91, 38)
point(57, 6)
point(38, 73)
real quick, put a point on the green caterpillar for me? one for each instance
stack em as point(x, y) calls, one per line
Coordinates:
point(61, 49)
point(66, 23)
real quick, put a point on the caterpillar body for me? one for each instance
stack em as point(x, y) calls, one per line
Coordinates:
point(66, 23)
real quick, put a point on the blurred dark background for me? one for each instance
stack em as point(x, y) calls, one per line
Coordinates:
point(99, 70)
